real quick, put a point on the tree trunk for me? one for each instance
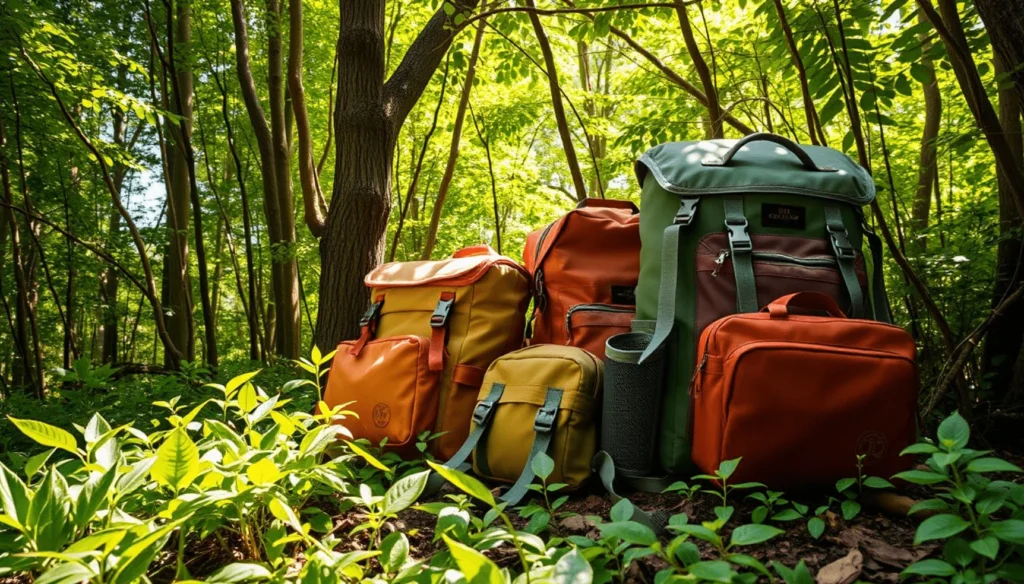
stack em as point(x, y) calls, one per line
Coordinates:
point(1004, 338)
point(313, 205)
point(928, 168)
point(178, 286)
point(557, 108)
point(453, 150)
point(703, 72)
point(813, 131)
point(1004, 21)
point(369, 114)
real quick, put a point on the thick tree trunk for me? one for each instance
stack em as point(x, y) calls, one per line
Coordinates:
point(178, 286)
point(453, 150)
point(1004, 20)
point(557, 108)
point(23, 370)
point(928, 168)
point(703, 72)
point(1004, 338)
point(369, 116)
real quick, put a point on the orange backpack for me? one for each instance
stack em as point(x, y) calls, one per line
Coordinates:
point(585, 268)
point(433, 329)
point(800, 397)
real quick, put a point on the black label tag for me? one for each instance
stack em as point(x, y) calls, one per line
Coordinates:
point(784, 216)
point(624, 295)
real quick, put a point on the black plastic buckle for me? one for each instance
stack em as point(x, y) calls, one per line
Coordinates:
point(372, 313)
point(482, 413)
point(545, 420)
point(687, 211)
point(440, 316)
point(739, 238)
point(841, 243)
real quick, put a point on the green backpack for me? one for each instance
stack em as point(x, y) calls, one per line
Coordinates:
point(728, 226)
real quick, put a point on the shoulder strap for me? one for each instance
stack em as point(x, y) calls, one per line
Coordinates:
point(482, 415)
point(669, 275)
point(846, 256)
point(741, 249)
point(603, 465)
point(544, 429)
point(879, 299)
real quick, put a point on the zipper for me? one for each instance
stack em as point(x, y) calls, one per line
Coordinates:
point(594, 308)
point(778, 258)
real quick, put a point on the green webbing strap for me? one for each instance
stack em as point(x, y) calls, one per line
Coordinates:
point(879, 299)
point(604, 466)
point(544, 430)
point(741, 248)
point(669, 276)
point(846, 257)
point(482, 415)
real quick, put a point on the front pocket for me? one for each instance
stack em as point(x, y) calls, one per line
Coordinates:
point(782, 265)
point(589, 326)
point(808, 428)
point(391, 388)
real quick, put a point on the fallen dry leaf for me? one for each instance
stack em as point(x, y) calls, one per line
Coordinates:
point(845, 570)
point(878, 550)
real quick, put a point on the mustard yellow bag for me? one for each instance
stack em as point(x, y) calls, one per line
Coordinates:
point(544, 398)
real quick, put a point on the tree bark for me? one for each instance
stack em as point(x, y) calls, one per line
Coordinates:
point(928, 168)
point(557, 108)
point(369, 114)
point(313, 204)
point(1004, 21)
point(703, 72)
point(453, 150)
point(813, 131)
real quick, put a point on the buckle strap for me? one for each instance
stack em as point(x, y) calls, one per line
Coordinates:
point(740, 248)
point(687, 211)
point(439, 331)
point(544, 427)
point(845, 256)
point(368, 325)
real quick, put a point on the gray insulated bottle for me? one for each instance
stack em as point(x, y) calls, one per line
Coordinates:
point(631, 404)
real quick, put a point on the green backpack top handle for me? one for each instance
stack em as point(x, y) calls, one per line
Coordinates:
point(729, 225)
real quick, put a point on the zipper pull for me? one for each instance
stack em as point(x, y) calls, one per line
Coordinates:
point(719, 261)
point(694, 389)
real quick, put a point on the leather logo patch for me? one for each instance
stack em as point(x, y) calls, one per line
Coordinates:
point(783, 216)
point(381, 415)
point(872, 445)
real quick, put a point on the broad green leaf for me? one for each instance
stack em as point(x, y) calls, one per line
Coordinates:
point(66, 573)
point(921, 477)
point(465, 483)
point(177, 461)
point(394, 551)
point(713, 571)
point(46, 434)
point(628, 531)
point(93, 495)
point(753, 534)
point(991, 464)
point(139, 552)
point(798, 575)
point(476, 567)
point(843, 484)
point(986, 546)
point(919, 448)
point(728, 467)
point(1011, 530)
point(34, 463)
point(622, 510)
point(263, 472)
point(236, 382)
point(877, 483)
point(573, 568)
point(97, 427)
point(850, 509)
point(240, 572)
point(954, 432)
point(247, 398)
point(404, 492)
point(930, 568)
point(939, 527)
point(369, 458)
point(816, 527)
point(543, 466)
point(750, 562)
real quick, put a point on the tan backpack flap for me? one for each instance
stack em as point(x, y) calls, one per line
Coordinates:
point(543, 398)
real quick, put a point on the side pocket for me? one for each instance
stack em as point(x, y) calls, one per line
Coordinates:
point(390, 387)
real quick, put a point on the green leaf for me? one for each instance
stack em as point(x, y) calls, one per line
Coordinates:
point(713, 571)
point(728, 467)
point(850, 509)
point(394, 551)
point(240, 572)
point(919, 448)
point(15, 497)
point(1011, 530)
point(177, 461)
point(36, 462)
point(939, 527)
point(47, 517)
point(986, 546)
point(921, 477)
point(263, 472)
point(369, 458)
point(929, 568)
point(93, 495)
point(543, 466)
point(878, 483)
point(753, 534)
point(843, 484)
point(687, 552)
point(465, 483)
point(66, 573)
point(798, 575)
point(475, 566)
point(46, 434)
point(404, 492)
point(816, 527)
point(573, 568)
point(247, 398)
point(750, 562)
point(929, 505)
point(621, 510)
point(991, 464)
point(954, 432)
point(236, 382)
point(787, 515)
point(628, 531)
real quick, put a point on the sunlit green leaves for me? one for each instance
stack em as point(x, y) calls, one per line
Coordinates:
point(177, 461)
point(46, 434)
